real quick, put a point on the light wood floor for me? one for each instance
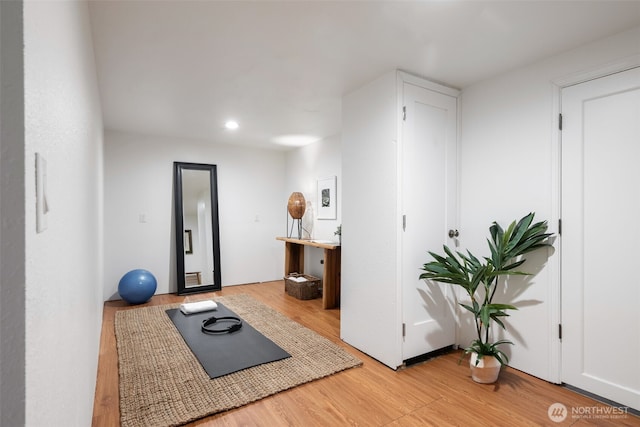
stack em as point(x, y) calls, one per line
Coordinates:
point(438, 392)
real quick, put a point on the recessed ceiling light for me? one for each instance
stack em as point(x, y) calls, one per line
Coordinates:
point(231, 124)
point(295, 140)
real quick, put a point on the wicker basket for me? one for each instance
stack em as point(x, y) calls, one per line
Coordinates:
point(310, 289)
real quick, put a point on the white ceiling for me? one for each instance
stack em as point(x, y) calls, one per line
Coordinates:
point(181, 68)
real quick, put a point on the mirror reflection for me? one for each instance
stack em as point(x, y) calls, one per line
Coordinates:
point(197, 242)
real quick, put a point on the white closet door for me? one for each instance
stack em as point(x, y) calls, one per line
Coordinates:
point(428, 203)
point(600, 237)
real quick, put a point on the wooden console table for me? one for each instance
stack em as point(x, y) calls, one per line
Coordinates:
point(294, 263)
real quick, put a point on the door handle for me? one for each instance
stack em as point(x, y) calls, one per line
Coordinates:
point(453, 233)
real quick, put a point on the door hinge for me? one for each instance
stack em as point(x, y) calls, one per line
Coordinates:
point(404, 330)
point(404, 113)
point(559, 227)
point(404, 223)
point(560, 121)
point(560, 331)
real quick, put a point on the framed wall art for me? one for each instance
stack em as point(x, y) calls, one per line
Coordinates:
point(327, 198)
point(188, 242)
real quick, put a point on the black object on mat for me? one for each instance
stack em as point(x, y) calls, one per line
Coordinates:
point(223, 354)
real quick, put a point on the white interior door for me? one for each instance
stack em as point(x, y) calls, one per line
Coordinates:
point(601, 237)
point(428, 202)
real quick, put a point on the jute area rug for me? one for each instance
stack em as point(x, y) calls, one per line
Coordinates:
point(163, 384)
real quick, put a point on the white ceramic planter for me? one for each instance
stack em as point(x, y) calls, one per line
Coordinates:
point(487, 369)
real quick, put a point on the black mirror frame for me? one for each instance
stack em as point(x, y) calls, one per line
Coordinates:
point(178, 167)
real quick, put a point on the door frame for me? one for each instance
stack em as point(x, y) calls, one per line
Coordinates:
point(555, 263)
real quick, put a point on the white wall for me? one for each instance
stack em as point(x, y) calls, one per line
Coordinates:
point(64, 263)
point(370, 215)
point(139, 180)
point(304, 166)
point(509, 168)
point(12, 239)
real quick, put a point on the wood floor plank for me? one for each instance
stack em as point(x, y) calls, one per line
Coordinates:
point(439, 392)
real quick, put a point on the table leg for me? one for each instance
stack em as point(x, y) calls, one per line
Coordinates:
point(331, 279)
point(293, 258)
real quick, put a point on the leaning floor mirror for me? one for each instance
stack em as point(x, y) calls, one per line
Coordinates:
point(197, 232)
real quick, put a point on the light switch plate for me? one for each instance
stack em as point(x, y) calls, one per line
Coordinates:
point(42, 206)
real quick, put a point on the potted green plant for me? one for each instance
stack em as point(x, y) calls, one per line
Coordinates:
point(481, 280)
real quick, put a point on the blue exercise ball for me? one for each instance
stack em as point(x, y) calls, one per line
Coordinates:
point(137, 286)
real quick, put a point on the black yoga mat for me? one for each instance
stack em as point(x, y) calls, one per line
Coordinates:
point(223, 354)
